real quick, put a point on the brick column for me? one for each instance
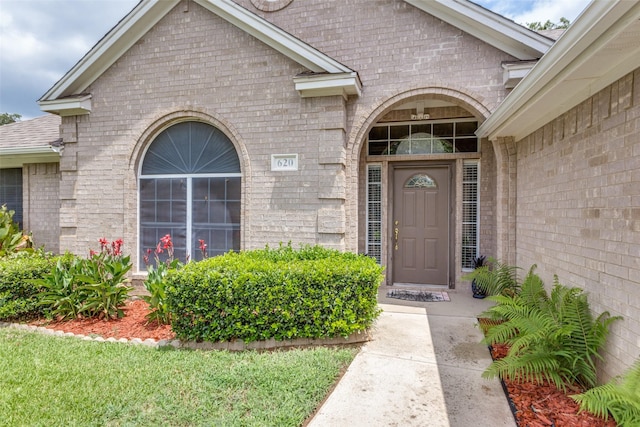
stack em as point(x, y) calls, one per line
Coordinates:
point(506, 199)
point(68, 178)
point(332, 191)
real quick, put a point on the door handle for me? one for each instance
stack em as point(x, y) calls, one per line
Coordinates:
point(395, 235)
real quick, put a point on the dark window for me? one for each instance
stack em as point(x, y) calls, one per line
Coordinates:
point(11, 192)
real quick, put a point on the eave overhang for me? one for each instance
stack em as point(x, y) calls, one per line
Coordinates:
point(68, 106)
point(601, 46)
point(16, 157)
point(496, 30)
point(315, 85)
point(148, 13)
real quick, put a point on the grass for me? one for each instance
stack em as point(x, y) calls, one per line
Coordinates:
point(46, 380)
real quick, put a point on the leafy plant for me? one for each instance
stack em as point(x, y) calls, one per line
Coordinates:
point(619, 397)
point(156, 283)
point(61, 294)
point(106, 290)
point(11, 237)
point(495, 278)
point(551, 337)
point(91, 287)
point(477, 292)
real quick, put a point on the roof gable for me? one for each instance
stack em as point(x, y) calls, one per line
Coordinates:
point(327, 77)
point(63, 98)
point(493, 29)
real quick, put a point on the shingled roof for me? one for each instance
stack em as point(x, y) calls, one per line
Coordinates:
point(29, 141)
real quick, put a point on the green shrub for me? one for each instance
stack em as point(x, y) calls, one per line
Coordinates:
point(551, 337)
point(18, 292)
point(283, 294)
point(619, 398)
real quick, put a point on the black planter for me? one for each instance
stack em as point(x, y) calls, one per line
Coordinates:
point(477, 292)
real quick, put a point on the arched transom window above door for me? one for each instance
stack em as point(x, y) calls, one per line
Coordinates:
point(423, 137)
point(190, 188)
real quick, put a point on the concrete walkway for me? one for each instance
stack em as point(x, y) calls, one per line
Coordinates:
point(422, 368)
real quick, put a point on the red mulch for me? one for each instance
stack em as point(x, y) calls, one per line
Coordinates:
point(544, 405)
point(132, 325)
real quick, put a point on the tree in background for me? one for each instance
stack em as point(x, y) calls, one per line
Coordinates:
point(537, 26)
point(6, 118)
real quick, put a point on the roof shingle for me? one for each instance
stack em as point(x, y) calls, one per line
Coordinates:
point(38, 132)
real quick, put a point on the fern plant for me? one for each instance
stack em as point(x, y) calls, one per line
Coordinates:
point(551, 337)
point(619, 397)
point(495, 278)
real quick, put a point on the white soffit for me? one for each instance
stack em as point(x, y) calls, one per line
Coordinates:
point(16, 157)
point(601, 46)
point(147, 13)
point(493, 29)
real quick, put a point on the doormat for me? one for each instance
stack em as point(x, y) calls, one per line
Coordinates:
point(420, 296)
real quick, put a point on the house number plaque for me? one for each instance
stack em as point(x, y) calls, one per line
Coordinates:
point(284, 162)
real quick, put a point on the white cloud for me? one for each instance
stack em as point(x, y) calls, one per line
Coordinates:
point(553, 11)
point(525, 11)
point(40, 40)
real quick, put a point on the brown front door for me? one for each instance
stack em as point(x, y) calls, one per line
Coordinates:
point(420, 225)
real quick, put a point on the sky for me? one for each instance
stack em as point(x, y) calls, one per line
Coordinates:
point(40, 40)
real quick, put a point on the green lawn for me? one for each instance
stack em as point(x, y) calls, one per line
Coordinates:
point(55, 381)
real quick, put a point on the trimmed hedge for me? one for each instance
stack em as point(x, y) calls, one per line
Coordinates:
point(18, 295)
point(274, 293)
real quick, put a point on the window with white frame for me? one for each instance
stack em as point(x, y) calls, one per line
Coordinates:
point(470, 214)
point(190, 187)
point(374, 212)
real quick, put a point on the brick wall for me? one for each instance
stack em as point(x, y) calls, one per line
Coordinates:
point(41, 204)
point(578, 210)
point(193, 64)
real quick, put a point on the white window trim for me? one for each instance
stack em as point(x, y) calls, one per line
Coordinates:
point(367, 236)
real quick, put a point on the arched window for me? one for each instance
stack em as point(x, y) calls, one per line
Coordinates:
point(420, 181)
point(190, 189)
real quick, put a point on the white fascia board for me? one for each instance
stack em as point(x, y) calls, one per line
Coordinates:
point(71, 106)
point(571, 71)
point(494, 29)
point(110, 48)
point(274, 37)
point(16, 157)
point(317, 85)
